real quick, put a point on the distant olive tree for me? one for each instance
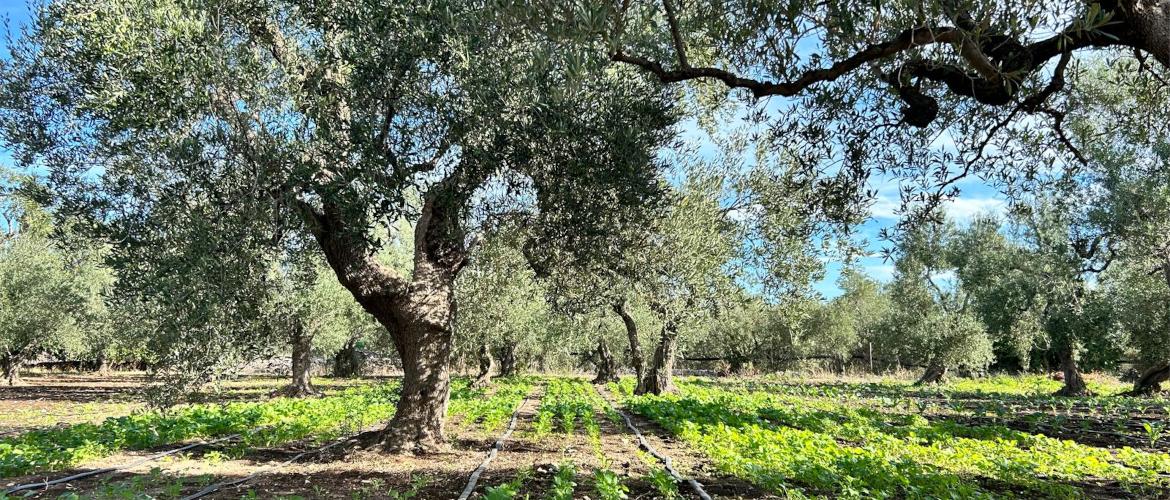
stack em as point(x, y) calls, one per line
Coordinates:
point(50, 296)
point(930, 322)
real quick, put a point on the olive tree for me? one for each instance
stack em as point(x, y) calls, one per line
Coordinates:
point(846, 326)
point(930, 321)
point(319, 317)
point(692, 244)
point(1125, 179)
point(1064, 254)
point(205, 138)
point(576, 288)
point(49, 295)
point(996, 274)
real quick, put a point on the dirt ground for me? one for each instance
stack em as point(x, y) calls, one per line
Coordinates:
point(49, 399)
point(351, 469)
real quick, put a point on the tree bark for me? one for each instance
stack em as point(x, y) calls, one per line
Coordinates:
point(639, 365)
point(486, 365)
point(302, 365)
point(606, 369)
point(11, 367)
point(1150, 20)
point(417, 425)
point(349, 361)
point(507, 360)
point(1151, 380)
point(660, 378)
point(935, 373)
point(1074, 383)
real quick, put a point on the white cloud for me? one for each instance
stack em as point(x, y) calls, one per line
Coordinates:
point(743, 214)
point(961, 209)
point(880, 272)
point(964, 209)
point(885, 207)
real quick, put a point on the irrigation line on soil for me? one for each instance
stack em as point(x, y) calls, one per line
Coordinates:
point(492, 453)
point(221, 485)
point(96, 472)
point(666, 462)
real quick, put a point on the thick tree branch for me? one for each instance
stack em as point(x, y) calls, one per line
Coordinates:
point(997, 64)
point(355, 266)
point(907, 40)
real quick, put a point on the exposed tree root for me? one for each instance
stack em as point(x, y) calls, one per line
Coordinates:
point(296, 391)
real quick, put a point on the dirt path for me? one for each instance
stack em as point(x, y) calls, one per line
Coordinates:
point(537, 457)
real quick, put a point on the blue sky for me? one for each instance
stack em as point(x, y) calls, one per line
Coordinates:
point(15, 13)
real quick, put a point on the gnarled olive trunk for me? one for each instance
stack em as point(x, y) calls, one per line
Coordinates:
point(349, 362)
point(425, 348)
point(606, 369)
point(418, 311)
point(1150, 382)
point(935, 373)
point(486, 365)
point(639, 365)
point(507, 359)
point(302, 365)
point(1074, 383)
point(660, 378)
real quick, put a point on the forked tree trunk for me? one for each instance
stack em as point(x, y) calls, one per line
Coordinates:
point(1151, 380)
point(1074, 383)
point(348, 362)
point(660, 378)
point(935, 373)
point(418, 311)
point(302, 365)
point(486, 365)
point(425, 348)
point(507, 360)
point(639, 365)
point(606, 370)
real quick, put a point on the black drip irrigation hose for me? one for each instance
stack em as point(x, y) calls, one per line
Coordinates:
point(221, 485)
point(97, 472)
point(666, 462)
point(492, 452)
